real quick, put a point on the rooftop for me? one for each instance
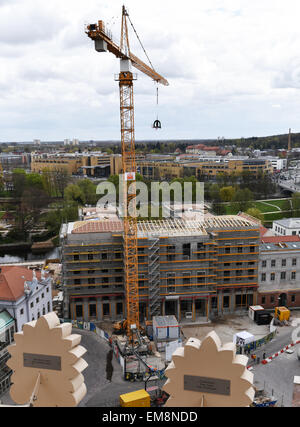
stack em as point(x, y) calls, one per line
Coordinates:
point(280, 245)
point(12, 280)
point(288, 222)
point(165, 227)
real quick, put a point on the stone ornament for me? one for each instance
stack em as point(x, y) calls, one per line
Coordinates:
point(47, 364)
point(208, 374)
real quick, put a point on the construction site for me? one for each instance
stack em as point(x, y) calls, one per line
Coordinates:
point(148, 278)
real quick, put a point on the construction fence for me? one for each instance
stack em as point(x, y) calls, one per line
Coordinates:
point(90, 326)
point(253, 345)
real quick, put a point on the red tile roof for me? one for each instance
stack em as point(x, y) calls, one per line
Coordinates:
point(97, 226)
point(279, 239)
point(12, 280)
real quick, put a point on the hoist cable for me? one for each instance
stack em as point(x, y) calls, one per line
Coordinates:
point(140, 42)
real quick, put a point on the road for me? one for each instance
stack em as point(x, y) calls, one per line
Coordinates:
point(104, 380)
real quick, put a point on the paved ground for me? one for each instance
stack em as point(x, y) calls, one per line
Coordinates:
point(104, 381)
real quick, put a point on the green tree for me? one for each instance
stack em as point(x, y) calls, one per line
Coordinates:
point(227, 193)
point(73, 193)
point(242, 200)
point(89, 191)
point(256, 213)
point(296, 204)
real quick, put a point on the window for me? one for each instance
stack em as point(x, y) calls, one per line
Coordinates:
point(77, 282)
point(283, 262)
point(186, 278)
point(272, 276)
point(294, 261)
point(200, 246)
point(91, 280)
point(252, 248)
point(79, 310)
point(43, 295)
point(227, 250)
point(171, 282)
point(240, 249)
point(263, 277)
point(47, 289)
point(283, 275)
point(37, 300)
point(293, 233)
point(273, 263)
point(119, 308)
point(293, 298)
point(272, 299)
point(92, 310)
point(104, 256)
point(31, 305)
point(90, 256)
point(293, 275)
point(263, 300)
point(226, 300)
point(44, 311)
point(186, 249)
point(22, 311)
point(106, 309)
point(76, 257)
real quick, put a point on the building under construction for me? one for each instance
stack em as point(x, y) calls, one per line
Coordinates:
point(195, 270)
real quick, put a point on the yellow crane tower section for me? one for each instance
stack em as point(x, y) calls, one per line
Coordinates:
point(103, 42)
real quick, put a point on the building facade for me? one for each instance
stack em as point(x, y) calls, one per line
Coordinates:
point(279, 272)
point(187, 268)
point(286, 227)
point(25, 294)
point(7, 330)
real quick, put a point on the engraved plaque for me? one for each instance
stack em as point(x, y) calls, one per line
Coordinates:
point(42, 361)
point(207, 385)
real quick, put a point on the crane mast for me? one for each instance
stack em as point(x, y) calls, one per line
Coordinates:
point(129, 170)
point(104, 42)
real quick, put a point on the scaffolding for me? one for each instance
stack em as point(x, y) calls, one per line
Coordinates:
point(154, 276)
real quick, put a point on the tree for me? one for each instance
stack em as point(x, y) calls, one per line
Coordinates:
point(242, 200)
point(296, 204)
point(256, 213)
point(214, 193)
point(33, 201)
point(73, 193)
point(89, 191)
point(227, 193)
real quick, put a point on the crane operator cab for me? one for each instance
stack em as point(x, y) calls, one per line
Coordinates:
point(156, 124)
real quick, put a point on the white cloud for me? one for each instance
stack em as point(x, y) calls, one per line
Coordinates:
point(230, 65)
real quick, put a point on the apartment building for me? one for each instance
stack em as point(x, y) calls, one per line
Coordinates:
point(160, 170)
point(189, 268)
point(91, 164)
point(232, 166)
point(279, 272)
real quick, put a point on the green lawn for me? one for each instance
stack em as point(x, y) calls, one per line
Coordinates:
point(264, 207)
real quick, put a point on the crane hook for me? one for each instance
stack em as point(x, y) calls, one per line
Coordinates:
point(156, 123)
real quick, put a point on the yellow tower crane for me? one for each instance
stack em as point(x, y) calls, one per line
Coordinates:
point(103, 43)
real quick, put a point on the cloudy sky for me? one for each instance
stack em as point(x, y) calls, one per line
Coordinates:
point(233, 68)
